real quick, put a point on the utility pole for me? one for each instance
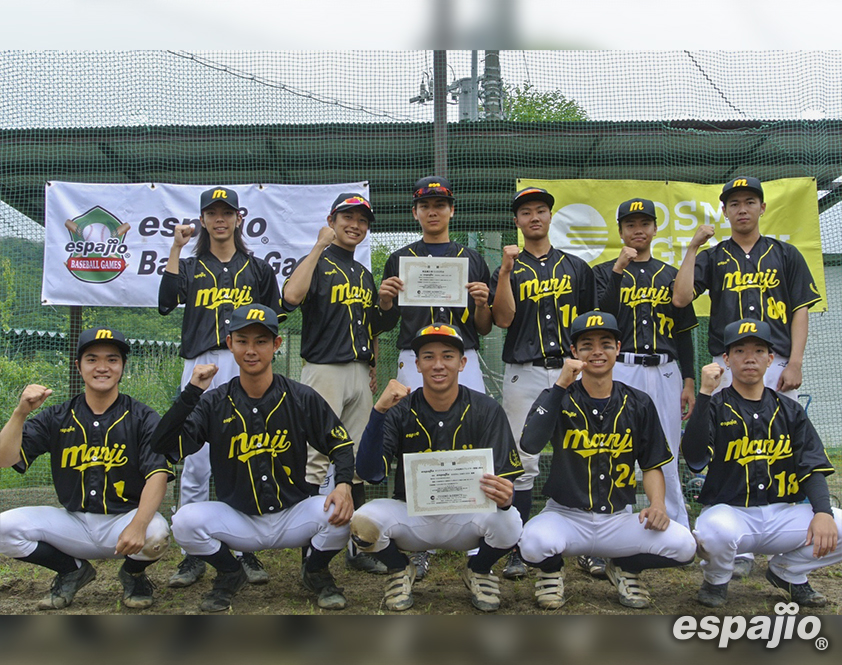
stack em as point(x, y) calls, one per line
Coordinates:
point(440, 111)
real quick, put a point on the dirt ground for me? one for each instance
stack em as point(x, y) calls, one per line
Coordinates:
point(440, 593)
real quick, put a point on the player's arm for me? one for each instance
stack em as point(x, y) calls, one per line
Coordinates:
point(791, 377)
point(298, 284)
point(133, 537)
point(177, 434)
point(696, 444)
point(654, 516)
point(390, 286)
point(171, 286)
point(372, 465)
point(682, 294)
point(544, 414)
point(684, 348)
point(11, 436)
point(497, 435)
point(822, 534)
point(503, 309)
point(608, 283)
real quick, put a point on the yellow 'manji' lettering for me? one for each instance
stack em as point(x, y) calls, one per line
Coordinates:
point(740, 281)
point(633, 297)
point(244, 447)
point(346, 294)
point(83, 456)
point(535, 289)
point(214, 297)
point(745, 450)
point(585, 444)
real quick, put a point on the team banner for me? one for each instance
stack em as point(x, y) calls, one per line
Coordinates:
point(584, 219)
point(108, 244)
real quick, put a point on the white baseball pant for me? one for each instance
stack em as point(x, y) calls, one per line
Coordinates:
point(663, 383)
point(779, 529)
point(409, 375)
point(575, 532)
point(521, 386)
point(387, 519)
point(201, 528)
point(81, 535)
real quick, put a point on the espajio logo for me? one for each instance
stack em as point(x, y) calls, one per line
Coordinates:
point(772, 630)
point(97, 249)
point(579, 229)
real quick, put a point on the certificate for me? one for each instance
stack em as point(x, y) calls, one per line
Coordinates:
point(447, 482)
point(431, 281)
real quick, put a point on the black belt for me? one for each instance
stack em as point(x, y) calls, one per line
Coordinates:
point(645, 359)
point(550, 362)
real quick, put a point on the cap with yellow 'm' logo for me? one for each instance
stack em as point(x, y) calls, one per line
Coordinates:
point(741, 182)
point(227, 196)
point(245, 316)
point(434, 186)
point(594, 321)
point(101, 335)
point(636, 207)
point(746, 328)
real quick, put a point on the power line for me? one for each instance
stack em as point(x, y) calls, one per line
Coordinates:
point(713, 85)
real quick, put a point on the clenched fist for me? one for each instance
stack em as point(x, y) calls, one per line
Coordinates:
point(711, 374)
point(181, 234)
point(203, 375)
point(703, 234)
point(394, 392)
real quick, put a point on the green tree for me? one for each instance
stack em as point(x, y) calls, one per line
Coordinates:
point(526, 104)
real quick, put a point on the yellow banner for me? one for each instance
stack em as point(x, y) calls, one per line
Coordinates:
point(584, 219)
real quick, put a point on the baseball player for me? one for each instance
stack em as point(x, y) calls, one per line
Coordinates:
point(258, 426)
point(221, 276)
point(340, 320)
point(433, 208)
point(763, 457)
point(536, 294)
point(442, 415)
point(751, 276)
point(599, 429)
point(107, 477)
point(655, 335)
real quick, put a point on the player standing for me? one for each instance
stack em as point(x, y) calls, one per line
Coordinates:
point(536, 294)
point(108, 480)
point(221, 276)
point(340, 321)
point(441, 415)
point(599, 428)
point(656, 342)
point(258, 426)
point(763, 457)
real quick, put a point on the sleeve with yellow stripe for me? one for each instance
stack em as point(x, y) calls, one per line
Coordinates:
point(326, 434)
point(178, 435)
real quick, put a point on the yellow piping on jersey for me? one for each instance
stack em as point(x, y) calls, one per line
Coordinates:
point(590, 459)
point(85, 441)
point(248, 466)
point(105, 443)
point(216, 309)
point(461, 420)
point(429, 439)
point(350, 311)
point(745, 429)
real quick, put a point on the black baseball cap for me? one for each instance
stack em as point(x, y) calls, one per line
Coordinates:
point(438, 332)
point(228, 196)
point(347, 200)
point(636, 207)
point(532, 194)
point(741, 182)
point(594, 321)
point(434, 186)
point(101, 336)
point(248, 314)
point(746, 328)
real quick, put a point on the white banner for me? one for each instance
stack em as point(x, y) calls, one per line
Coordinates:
point(107, 245)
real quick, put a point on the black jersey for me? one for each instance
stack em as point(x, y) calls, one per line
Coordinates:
point(258, 447)
point(549, 292)
point(769, 283)
point(473, 421)
point(414, 318)
point(340, 317)
point(595, 449)
point(210, 290)
point(99, 462)
point(757, 452)
point(641, 299)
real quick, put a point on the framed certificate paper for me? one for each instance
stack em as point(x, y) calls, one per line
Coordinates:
point(447, 482)
point(430, 281)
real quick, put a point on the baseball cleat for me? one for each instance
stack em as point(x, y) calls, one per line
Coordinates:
point(593, 565)
point(803, 594)
point(137, 589)
point(189, 570)
point(712, 595)
point(65, 586)
point(632, 592)
point(322, 583)
point(549, 590)
point(255, 572)
point(515, 567)
point(484, 588)
point(742, 568)
point(422, 564)
point(225, 586)
point(364, 562)
point(398, 596)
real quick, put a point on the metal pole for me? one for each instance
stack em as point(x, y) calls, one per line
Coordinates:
point(74, 379)
point(440, 111)
point(493, 86)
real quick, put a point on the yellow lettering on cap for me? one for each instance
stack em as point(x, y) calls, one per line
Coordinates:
point(219, 194)
point(636, 205)
point(595, 321)
point(748, 326)
point(434, 184)
point(104, 334)
point(740, 183)
point(257, 314)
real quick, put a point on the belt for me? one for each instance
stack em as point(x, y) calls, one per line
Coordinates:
point(549, 362)
point(645, 359)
